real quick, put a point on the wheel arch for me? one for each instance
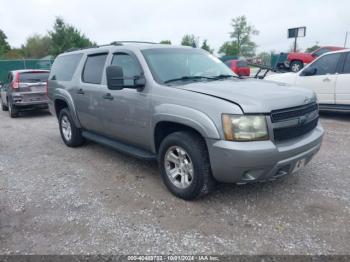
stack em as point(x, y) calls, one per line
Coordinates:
point(64, 100)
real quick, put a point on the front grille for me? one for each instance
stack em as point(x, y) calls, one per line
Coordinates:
point(293, 112)
point(304, 120)
point(296, 131)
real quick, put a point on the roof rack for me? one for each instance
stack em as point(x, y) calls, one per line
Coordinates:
point(132, 42)
point(115, 43)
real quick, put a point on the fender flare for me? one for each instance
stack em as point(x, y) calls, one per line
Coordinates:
point(66, 97)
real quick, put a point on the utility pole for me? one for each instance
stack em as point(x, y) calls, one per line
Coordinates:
point(295, 44)
point(346, 39)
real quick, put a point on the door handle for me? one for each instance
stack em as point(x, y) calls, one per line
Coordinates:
point(108, 96)
point(326, 79)
point(80, 91)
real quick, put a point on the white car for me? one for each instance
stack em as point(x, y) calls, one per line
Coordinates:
point(328, 76)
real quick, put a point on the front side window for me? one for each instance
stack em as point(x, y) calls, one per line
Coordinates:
point(326, 64)
point(93, 68)
point(173, 63)
point(130, 66)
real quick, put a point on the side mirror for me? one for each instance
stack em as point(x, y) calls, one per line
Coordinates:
point(309, 71)
point(115, 77)
point(117, 81)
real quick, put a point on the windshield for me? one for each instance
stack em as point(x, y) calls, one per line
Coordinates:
point(185, 64)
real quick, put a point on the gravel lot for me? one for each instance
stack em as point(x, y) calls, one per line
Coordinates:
point(93, 200)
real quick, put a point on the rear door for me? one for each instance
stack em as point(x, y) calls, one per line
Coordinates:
point(324, 80)
point(89, 93)
point(342, 91)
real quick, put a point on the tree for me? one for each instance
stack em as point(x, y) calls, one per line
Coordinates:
point(4, 45)
point(14, 53)
point(229, 48)
point(312, 48)
point(65, 36)
point(37, 46)
point(241, 35)
point(189, 40)
point(206, 47)
point(165, 42)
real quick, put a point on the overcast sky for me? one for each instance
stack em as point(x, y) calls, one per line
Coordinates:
point(154, 20)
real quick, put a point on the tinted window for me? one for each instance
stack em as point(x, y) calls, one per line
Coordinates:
point(242, 64)
point(129, 64)
point(64, 67)
point(347, 64)
point(93, 69)
point(326, 64)
point(33, 77)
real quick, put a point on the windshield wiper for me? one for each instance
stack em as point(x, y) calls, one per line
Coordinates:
point(224, 76)
point(188, 78)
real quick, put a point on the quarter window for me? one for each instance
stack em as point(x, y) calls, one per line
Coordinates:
point(326, 64)
point(93, 68)
point(64, 67)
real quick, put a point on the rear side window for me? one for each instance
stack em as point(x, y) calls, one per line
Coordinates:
point(33, 77)
point(347, 64)
point(242, 63)
point(64, 67)
point(93, 69)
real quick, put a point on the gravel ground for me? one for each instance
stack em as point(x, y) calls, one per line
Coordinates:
point(93, 200)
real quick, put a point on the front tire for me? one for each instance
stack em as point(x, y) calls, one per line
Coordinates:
point(184, 164)
point(296, 66)
point(71, 135)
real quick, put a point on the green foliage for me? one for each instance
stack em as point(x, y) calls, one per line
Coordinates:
point(4, 45)
point(241, 36)
point(37, 46)
point(312, 48)
point(165, 42)
point(206, 47)
point(65, 36)
point(189, 40)
point(229, 48)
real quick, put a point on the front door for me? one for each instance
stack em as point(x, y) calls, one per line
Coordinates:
point(342, 90)
point(324, 80)
point(128, 117)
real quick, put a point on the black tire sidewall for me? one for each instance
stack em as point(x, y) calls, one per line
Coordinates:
point(76, 138)
point(298, 63)
point(13, 112)
point(186, 142)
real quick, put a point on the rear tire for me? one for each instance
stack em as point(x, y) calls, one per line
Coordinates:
point(296, 66)
point(13, 111)
point(179, 153)
point(71, 135)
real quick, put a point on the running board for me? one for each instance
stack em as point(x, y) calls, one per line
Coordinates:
point(119, 146)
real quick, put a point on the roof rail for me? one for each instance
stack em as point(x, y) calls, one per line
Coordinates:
point(132, 42)
point(116, 43)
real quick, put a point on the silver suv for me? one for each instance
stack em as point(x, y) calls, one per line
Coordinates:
point(184, 108)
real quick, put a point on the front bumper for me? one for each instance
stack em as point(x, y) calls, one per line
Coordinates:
point(243, 162)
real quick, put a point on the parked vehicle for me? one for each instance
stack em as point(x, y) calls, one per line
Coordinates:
point(185, 108)
point(328, 76)
point(24, 90)
point(297, 60)
point(239, 67)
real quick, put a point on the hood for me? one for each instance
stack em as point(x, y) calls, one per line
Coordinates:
point(254, 96)
point(288, 78)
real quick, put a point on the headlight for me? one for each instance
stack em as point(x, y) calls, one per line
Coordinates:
point(245, 127)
